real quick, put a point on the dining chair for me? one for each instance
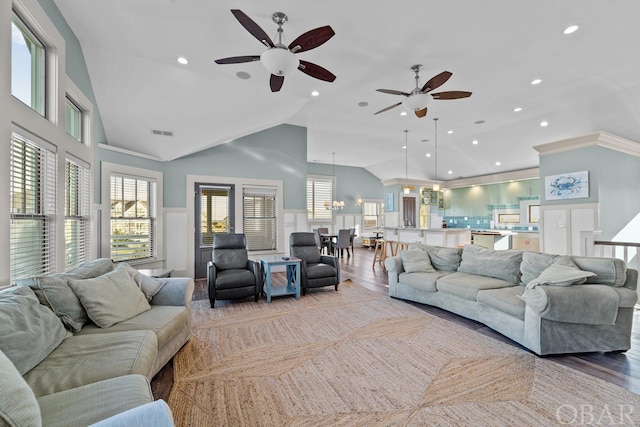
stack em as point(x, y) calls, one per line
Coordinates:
point(352, 237)
point(322, 243)
point(343, 242)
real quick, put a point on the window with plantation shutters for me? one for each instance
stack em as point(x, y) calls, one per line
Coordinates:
point(76, 213)
point(133, 217)
point(32, 169)
point(259, 218)
point(319, 198)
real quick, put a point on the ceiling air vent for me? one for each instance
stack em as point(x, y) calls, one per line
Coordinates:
point(161, 132)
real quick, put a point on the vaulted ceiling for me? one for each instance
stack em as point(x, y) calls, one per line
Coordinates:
point(590, 79)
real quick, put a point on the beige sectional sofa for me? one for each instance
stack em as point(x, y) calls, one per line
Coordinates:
point(548, 303)
point(86, 343)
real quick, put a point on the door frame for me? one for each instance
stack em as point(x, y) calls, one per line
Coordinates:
point(197, 191)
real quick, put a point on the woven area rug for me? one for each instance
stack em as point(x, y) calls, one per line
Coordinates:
point(354, 357)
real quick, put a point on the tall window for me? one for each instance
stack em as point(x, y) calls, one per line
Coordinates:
point(259, 218)
point(76, 214)
point(32, 203)
point(27, 65)
point(73, 119)
point(133, 217)
point(373, 215)
point(319, 198)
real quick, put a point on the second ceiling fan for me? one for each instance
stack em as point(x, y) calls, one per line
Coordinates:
point(418, 98)
point(279, 59)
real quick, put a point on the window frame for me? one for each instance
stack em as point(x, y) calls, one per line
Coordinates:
point(379, 215)
point(104, 211)
point(269, 195)
point(77, 210)
point(39, 86)
point(44, 200)
point(322, 205)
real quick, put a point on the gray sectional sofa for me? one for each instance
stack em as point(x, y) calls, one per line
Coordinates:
point(550, 304)
point(81, 347)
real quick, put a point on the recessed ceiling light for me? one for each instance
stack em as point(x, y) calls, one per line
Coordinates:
point(243, 75)
point(544, 123)
point(404, 147)
point(498, 163)
point(403, 113)
point(517, 109)
point(450, 172)
point(536, 81)
point(428, 154)
point(449, 132)
point(315, 93)
point(182, 60)
point(571, 29)
point(363, 104)
point(474, 142)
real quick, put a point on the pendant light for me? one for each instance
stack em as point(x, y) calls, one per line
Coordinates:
point(436, 185)
point(406, 188)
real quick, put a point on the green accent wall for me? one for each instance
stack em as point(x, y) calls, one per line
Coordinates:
point(614, 183)
point(351, 184)
point(278, 153)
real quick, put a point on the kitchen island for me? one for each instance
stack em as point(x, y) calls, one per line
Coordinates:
point(449, 237)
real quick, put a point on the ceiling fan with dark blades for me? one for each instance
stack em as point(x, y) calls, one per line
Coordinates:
point(418, 98)
point(279, 59)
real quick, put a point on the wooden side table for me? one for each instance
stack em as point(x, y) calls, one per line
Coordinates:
point(293, 275)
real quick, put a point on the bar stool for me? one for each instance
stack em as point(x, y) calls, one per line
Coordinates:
point(379, 253)
point(400, 246)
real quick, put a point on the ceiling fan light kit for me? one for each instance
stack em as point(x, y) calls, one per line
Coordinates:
point(279, 61)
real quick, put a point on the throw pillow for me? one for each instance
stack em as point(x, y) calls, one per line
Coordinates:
point(499, 264)
point(111, 298)
point(54, 292)
point(559, 275)
point(29, 331)
point(416, 261)
point(534, 263)
point(18, 404)
point(93, 268)
point(148, 285)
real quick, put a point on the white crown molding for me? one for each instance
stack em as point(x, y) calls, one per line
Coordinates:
point(600, 139)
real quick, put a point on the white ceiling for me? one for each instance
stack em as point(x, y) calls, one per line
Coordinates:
point(494, 48)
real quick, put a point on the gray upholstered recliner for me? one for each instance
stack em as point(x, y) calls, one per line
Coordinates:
point(231, 274)
point(317, 269)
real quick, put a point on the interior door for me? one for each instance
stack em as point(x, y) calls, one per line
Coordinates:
point(214, 213)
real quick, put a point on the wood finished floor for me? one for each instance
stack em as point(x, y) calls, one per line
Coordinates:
point(622, 369)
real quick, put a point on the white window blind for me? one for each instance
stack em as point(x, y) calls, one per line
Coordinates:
point(319, 198)
point(76, 213)
point(259, 218)
point(133, 217)
point(32, 203)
